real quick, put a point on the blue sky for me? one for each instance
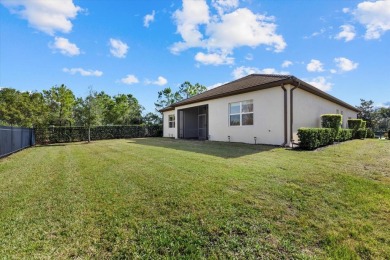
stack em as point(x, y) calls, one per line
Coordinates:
point(141, 47)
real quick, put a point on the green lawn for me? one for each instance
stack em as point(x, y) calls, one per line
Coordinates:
point(152, 198)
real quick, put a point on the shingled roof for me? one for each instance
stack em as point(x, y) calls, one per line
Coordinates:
point(255, 82)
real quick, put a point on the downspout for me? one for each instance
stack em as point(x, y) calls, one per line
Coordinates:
point(285, 115)
point(292, 111)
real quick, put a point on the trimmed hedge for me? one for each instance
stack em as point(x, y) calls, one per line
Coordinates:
point(76, 134)
point(345, 135)
point(363, 124)
point(331, 121)
point(355, 124)
point(361, 133)
point(312, 138)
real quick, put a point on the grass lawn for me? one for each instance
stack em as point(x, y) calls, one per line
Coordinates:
point(153, 198)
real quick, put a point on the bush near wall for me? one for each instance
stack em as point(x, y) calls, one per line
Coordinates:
point(76, 134)
point(345, 135)
point(355, 124)
point(360, 133)
point(331, 121)
point(312, 138)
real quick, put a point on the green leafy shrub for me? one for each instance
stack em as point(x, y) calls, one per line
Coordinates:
point(363, 124)
point(331, 120)
point(355, 124)
point(77, 134)
point(361, 133)
point(312, 138)
point(370, 133)
point(345, 135)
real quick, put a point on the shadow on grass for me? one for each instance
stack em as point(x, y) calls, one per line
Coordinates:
point(60, 144)
point(214, 148)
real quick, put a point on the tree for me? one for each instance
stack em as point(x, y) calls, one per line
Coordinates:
point(26, 109)
point(167, 97)
point(382, 119)
point(152, 119)
point(10, 107)
point(188, 90)
point(60, 101)
point(367, 112)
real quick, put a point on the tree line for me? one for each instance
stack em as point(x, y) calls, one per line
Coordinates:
point(377, 118)
point(59, 106)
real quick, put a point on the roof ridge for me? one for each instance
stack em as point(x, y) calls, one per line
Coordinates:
point(271, 75)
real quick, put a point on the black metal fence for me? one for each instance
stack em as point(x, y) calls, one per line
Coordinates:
point(76, 134)
point(13, 139)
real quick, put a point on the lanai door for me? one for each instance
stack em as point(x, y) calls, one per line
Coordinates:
point(202, 126)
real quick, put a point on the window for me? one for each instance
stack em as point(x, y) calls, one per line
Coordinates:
point(171, 120)
point(241, 113)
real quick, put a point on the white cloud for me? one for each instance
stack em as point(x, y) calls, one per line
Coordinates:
point(193, 14)
point(223, 6)
point(224, 31)
point(375, 16)
point(83, 72)
point(129, 79)
point(214, 58)
point(315, 66)
point(321, 83)
point(243, 71)
point(286, 64)
point(244, 28)
point(149, 18)
point(64, 46)
point(333, 71)
point(161, 81)
point(345, 10)
point(118, 48)
point(46, 16)
point(315, 34)
point(345, 64)
point(347, 33)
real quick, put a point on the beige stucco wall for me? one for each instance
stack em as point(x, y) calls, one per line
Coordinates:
point(268, 106)
point(308, 108)
point(169, 132)
point(268, 124)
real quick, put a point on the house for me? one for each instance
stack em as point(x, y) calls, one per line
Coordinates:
point(258, 108)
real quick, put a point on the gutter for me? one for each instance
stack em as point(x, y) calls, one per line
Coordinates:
point(292, 109)
point(285, 115)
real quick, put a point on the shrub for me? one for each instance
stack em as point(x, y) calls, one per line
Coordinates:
point(76, 134)
point(370, 133)
point(345, 134)
point(363, 124)
point(312, 138)
point(361, 133)
point(331, 121)
point(355, 124)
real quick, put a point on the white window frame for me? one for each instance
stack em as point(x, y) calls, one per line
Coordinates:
point(171, 122)
point(241, 113)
